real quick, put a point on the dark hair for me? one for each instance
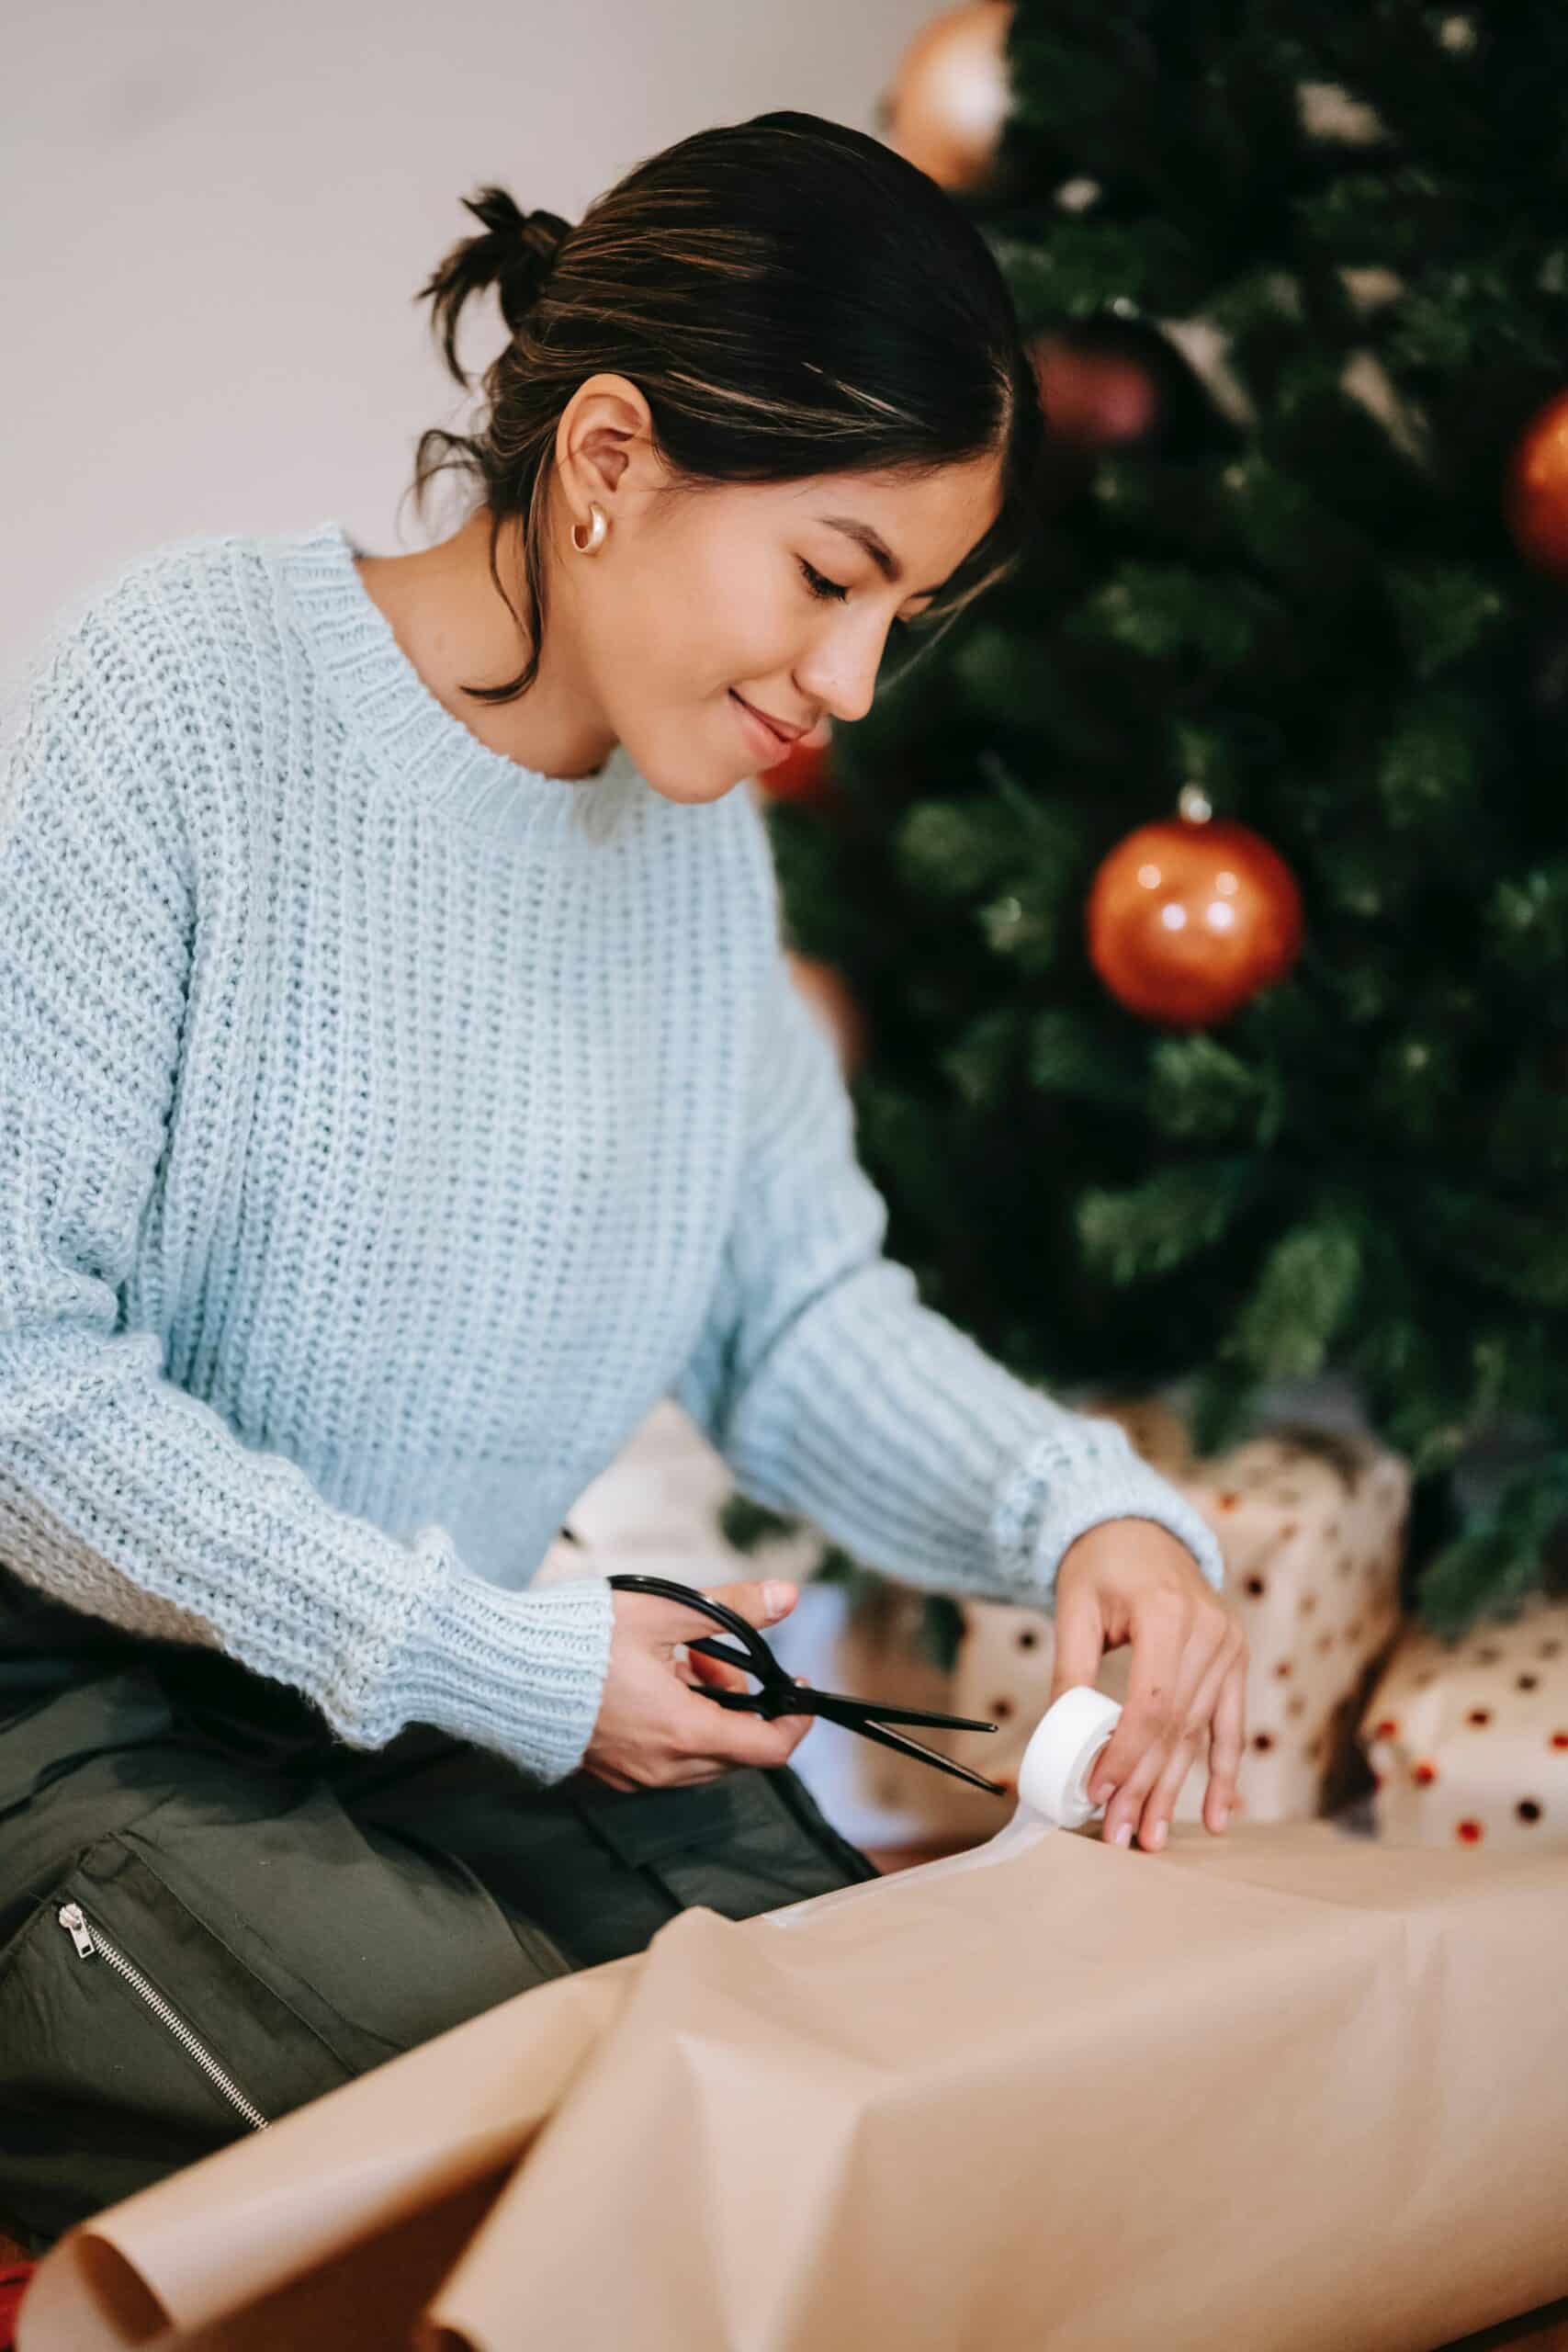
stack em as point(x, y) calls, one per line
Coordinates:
point(791, 297)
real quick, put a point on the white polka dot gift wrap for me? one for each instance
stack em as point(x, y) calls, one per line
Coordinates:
point(1468, 1742)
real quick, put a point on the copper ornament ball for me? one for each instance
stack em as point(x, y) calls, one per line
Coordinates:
point(1187, 921)
point(950, 99)
point(1536, 502)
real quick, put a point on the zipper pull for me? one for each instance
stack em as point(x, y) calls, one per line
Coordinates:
point(70, 1915)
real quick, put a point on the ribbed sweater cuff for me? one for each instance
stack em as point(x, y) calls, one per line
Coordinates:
point(521, 1673)
point(1055, 1495)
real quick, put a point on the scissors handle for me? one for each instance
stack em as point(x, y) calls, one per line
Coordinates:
point(754, 1654)
point(780, 1695)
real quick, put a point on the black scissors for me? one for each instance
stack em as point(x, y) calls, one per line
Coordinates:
point(782, 1695)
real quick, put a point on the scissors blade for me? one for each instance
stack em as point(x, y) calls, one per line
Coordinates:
point(905, 1747)
point(853, 1713)
point(834, 1705)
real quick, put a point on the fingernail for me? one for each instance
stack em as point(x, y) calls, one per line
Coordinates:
point(1125, 1835)
point(777, 1598)
point(1158, 1838)
point(1100, 1797)
point(1222, 1815)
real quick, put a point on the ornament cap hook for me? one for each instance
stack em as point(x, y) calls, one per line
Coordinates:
point(1195, 804)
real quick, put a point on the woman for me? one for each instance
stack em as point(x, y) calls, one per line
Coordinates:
point(403, 1090)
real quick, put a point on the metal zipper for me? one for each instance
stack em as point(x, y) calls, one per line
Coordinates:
point(89, 1941)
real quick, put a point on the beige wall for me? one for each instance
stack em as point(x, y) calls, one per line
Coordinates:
point(213, 220)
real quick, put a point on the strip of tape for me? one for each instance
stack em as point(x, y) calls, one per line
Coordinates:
point(1053, 1794)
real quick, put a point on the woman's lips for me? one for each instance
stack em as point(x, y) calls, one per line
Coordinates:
point(767, 735)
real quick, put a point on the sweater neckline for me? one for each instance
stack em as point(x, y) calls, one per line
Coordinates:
point(410, 735)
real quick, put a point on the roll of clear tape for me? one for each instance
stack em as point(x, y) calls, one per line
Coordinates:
point(1053, 1794)
point(1059, 1763)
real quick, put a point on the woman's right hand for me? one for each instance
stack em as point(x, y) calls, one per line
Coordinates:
point(655, 1729)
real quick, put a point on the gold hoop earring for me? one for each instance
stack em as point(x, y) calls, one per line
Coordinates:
point(596, 531)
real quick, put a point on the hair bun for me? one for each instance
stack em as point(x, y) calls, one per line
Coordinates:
point(533, 242)
point(515, 254)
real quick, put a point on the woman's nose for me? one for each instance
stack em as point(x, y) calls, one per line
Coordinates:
point(843, 687)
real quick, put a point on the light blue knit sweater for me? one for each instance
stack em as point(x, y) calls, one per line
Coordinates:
point(385, 1128)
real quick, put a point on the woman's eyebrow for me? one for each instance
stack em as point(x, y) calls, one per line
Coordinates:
point(875, 546)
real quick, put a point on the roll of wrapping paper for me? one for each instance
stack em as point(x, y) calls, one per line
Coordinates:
point(1053, 1794)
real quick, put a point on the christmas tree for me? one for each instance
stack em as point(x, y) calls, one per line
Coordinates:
point(1295, 276)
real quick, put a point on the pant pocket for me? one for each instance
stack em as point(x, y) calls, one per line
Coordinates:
point(749, 1841)
point(132, 2042)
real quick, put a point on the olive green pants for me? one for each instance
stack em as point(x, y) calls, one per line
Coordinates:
point(212, 1910)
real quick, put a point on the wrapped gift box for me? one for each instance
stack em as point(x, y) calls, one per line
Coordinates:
point(1468, 1742)
point(1284, 2088)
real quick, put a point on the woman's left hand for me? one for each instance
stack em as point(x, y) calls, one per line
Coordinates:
point(1132, 1580)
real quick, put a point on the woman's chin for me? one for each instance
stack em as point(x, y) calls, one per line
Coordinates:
point(687, 783)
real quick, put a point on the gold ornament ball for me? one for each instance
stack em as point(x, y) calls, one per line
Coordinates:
point(1536, 504)
point(1187, 920)
point(953, 94)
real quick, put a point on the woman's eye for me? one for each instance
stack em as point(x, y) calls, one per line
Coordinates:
point(821, 586)
point(818, 585)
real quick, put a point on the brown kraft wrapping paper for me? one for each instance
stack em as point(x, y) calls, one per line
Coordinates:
point(1288, 2087)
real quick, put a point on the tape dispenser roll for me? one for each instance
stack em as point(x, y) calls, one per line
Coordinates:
point(1059, 1763)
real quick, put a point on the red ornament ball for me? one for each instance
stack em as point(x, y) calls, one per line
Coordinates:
point(805, 774)
point(1188, 919)
point(1536, 503)
point(1094, 399)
